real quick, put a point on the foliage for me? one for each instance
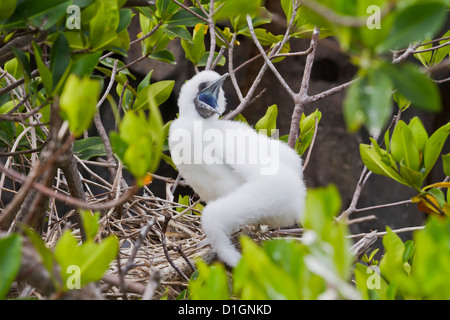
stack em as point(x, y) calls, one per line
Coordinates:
point(71, 60)
point(78, 264)
point(289, 269)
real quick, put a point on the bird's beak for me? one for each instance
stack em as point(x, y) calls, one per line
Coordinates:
point(206, 101)
point(214, 87)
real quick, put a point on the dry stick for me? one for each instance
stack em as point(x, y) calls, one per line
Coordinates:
point(166, 251)
point(179, 249)
point(152, 285)
point(212, 34)
point(142, 234)
point(379, 234)
point(101, 129)
point(432, 48)
point(68, 199)
point(312, 144)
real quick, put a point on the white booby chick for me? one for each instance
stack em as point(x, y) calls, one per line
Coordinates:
point(243, 176)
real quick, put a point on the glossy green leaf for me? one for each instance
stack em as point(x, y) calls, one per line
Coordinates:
point(90, 223)
point(403, 147)
point(414, 86)
point(44, 72)
point(374, 163)
point(368, 102)
point(59, 59)
point(10, 258)
point(195, 50)
point(154, 94)
point(104, 25)
point(89, 148)
point(268, 123)
point(419, 133)
point(165, 56)
point(232, 8)
point(210, 284)
point(446, 164)
point(7, 8)
point(415, 22)
point(78, 103)
point(434, 147)
point(185, 18)
point(90, 258)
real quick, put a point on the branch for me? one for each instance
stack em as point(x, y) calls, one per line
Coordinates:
point(101, 129)
point(70, 200)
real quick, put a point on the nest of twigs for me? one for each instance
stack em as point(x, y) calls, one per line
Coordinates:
point(159, 242)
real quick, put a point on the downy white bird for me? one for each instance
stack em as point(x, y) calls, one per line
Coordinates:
point(243, 176)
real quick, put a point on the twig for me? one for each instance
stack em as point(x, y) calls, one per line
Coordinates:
point(299, 99)
point(387, 205)
point(70, 200)
point(363, 245)
point(179, 249)
point(379, 234)
point(101, 129)
point(312, 144)
point(166, 251)
point(142, 235)
point(152, 285)
point(212, 35)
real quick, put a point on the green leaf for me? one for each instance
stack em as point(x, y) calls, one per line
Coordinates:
point(13, 68)
point(185, 18)
point(232, 8)
point(368, 102)
point(415, 22)
point(104, 25)
point(10, 257)
point(403, 147)
point(210, 284)
point(322, 205)
point(446, 164)
point(391, 264)
point(24, 63)
point(59, 59)
point(204, 59)
point(28, 9)
point(268, 123)
point(414, 86)
point(90, 223)
point(402, 103)
point(92, 259)
point(419, 133)
point(434, 147)
point(412, 177)
point(195, 50)
point(78, 102)
point(7, 8)
point(89, 148)
point(84, 64)
point(45, 73)
point(154, 94)
point(165, 56)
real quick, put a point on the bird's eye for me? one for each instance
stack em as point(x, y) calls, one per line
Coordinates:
point(202, 86)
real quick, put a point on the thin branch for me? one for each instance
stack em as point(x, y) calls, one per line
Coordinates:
point(212, 35)
point(267, 60)
point(101, 129)
point(166, 251)
point(387, 205)
point(432, 48)
point(312, 143)
point(299, 99)
point(68, 199)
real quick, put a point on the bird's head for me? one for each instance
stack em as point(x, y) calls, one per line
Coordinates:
point(203, 95)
